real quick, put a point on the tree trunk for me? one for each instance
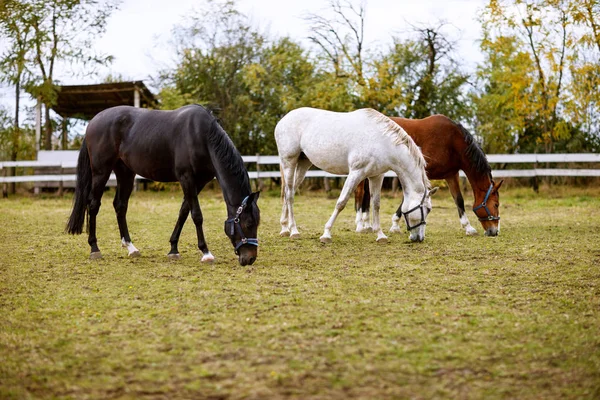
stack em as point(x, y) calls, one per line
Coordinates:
point(48, 130)
point(16, 136)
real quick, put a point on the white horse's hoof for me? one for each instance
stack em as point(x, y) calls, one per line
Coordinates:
point(295, 236)
point(284, 233)
point(325, 239)
point(174, 256)
point(382, 239)
point(471, 231)
point(134, 254)
point(207, 258)
point(96, 255)
point(395, 229)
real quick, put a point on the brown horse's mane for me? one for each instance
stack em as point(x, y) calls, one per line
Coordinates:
point(474, 153)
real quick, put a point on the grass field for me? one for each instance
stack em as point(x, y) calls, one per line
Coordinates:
point(517, 316)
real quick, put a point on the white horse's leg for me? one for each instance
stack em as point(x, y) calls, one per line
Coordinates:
point(301, 167)
point(288, 168)
point(375, 185)
point(351, 182)
point(395, 218)
point(395, 226)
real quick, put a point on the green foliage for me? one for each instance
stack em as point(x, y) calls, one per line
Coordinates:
point(504, 107)
point(408, 82)
point(536, 89)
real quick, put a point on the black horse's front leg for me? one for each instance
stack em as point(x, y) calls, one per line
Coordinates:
point(183, 214)
point(198, 220)
point(190, 205)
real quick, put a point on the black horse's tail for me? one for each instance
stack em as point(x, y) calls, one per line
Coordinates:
point(83, 188)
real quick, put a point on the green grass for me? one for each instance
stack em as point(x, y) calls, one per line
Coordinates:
point(517, 316)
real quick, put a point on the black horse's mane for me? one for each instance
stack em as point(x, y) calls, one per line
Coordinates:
point(225, 150)
point(475, 154)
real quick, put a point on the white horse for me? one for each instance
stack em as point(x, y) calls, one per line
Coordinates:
point(361, 144)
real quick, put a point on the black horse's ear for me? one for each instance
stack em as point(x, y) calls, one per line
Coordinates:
point(254, 197)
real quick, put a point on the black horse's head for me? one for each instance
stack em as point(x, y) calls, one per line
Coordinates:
point(242, 227)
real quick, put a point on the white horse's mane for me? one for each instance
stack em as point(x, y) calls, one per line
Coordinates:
point(400, 137)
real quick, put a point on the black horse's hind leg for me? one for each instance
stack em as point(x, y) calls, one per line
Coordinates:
point(125, 181)
point(98, 184)
point(183, 214)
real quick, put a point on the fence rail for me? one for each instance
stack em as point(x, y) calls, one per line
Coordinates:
point(65, 163)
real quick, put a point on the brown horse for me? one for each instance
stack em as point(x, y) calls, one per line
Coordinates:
point(447, 147)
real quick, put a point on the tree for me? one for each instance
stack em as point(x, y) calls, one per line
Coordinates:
point(15, 26)
point(583, 104)
point(505, 107)
point(213, 48)
point(249, 81)
point(419, 77)
point(341, 37)
point(276, 83)
point(61, 31)
point(543, 29)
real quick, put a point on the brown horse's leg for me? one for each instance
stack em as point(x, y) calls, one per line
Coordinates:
point(362, 203)
point(125, 181)
point(454, 186)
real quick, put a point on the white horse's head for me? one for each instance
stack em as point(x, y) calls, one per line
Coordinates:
point(415, 209)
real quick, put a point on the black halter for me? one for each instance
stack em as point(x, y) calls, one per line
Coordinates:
point(234, 223)
point(420, 207)
point(483, 205)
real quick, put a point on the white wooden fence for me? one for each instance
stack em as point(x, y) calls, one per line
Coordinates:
point(63, 163)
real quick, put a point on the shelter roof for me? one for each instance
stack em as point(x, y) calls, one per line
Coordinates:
point(85, 101)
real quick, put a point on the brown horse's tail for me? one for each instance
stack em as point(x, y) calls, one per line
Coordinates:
point(362, 197)
point(83, 187)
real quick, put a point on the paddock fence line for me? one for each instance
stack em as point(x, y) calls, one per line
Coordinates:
point(56, 168)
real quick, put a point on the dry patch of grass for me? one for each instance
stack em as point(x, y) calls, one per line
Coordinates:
point(455, 317)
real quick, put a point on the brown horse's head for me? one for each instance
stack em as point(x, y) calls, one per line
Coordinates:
point(242, 230)
point(487, 204)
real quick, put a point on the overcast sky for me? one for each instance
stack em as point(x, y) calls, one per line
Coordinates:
point(138, 33)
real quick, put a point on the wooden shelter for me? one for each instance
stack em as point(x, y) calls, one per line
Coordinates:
point(85, 101)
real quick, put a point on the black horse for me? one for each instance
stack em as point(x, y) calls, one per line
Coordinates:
point(186, 145)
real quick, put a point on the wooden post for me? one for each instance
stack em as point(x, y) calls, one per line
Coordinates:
point(65, 135)
point(258, 182)
point(4, 185)
point(60, 183)
point(136, 97)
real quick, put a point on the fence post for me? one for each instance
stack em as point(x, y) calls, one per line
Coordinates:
point(4, 185)
point(60, 184)
point(258, 181)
